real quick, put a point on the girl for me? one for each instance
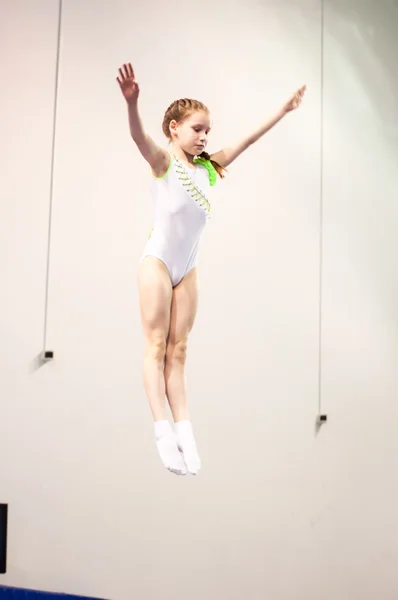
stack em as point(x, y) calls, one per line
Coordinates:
point(167, 277)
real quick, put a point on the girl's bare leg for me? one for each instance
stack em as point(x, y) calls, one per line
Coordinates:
point(183, 312)
point(155, 296)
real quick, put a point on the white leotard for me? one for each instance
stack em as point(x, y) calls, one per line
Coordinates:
point(181, 209)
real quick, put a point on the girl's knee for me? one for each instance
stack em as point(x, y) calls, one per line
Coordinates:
point(156, 347)
point(177, 351)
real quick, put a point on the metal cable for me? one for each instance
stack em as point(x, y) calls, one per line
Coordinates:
point(52, 171)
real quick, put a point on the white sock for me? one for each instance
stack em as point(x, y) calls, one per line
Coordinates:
point(186, 442)
point(167, 447)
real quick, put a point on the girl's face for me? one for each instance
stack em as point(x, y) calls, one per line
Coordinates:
point(191, 134)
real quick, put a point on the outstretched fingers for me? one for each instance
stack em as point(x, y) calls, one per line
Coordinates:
point(125, 72)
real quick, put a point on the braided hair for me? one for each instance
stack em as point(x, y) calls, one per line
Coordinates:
point(178, 111)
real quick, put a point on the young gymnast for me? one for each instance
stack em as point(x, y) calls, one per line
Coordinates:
point(167, 277)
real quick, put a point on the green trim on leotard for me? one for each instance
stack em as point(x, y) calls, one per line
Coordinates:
point(199, 160)
point(209, 166)
point(192, 188)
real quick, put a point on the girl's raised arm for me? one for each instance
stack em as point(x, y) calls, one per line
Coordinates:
point(156, 156)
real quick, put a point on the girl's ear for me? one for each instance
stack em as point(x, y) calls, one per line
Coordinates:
point(173, 126)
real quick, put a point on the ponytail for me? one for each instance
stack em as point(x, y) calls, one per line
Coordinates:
point(220, 170)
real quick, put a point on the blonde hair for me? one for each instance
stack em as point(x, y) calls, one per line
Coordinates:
point(180, 110)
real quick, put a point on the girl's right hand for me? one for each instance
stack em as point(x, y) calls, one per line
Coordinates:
point(128, 84)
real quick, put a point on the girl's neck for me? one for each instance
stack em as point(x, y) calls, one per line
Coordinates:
point(181, 154)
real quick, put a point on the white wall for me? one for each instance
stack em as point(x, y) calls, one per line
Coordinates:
point(278, 511)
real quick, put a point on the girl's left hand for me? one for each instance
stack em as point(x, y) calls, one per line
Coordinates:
point(295, 100)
